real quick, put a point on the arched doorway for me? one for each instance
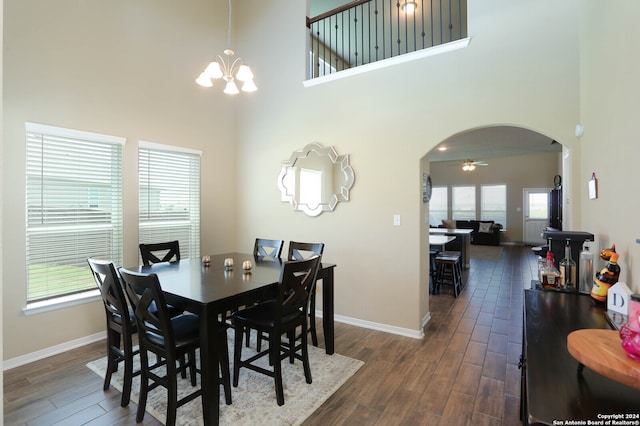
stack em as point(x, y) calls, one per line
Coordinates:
point(509, 156)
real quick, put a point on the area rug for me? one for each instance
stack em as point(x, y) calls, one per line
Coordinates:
point(254, 400)
point(485, 252)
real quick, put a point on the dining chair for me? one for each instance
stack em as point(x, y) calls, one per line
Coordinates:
point(298, 251)
point(170, 339)
point(151, 253)
point(282, 315)
point(262, 247)
point(267, 248)
point(121, 325)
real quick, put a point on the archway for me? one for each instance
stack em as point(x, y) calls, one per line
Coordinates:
point(514, 156)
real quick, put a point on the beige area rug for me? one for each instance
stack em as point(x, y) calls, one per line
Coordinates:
point(254, 400)
point(485, 252)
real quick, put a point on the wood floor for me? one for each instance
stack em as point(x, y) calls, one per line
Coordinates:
point(464, 372)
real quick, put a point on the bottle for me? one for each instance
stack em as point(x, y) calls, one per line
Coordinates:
point(568, 270)
point(586, 269)
point(607, 277)
point(550, 275)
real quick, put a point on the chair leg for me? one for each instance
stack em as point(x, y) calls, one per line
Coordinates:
point(292, 344)
point(144, 387)
point(192, 367)
point(128, 371)
point(172, 392)
point(305, 355)
point(274, 353)
point(312, 320)
point(237, 353)
point(112, 364)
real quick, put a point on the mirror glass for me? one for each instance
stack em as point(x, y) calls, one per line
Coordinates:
point(315, 179)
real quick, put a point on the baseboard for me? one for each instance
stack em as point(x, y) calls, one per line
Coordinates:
point(53, 350)
point(416, 334)
point(63, 347)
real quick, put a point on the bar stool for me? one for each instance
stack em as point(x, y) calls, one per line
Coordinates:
point(432, 269)
point(448, 271)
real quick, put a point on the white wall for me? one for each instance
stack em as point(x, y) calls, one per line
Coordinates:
point(89, 68)
point(514, 72)
point(121, 68)
point(609, 111)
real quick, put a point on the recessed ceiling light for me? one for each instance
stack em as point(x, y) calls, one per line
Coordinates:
point(442, 148)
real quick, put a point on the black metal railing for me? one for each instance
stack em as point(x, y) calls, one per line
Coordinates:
point(366, 31)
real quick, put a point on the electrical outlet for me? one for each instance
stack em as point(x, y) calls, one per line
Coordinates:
point(396, 220)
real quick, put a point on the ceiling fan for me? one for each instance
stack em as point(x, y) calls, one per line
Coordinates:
point(469, 166)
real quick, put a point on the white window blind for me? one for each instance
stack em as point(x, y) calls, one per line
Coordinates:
point(74, 208)
point(494, 203)
point(463, 202)
point(169, 188)
point(438, 205)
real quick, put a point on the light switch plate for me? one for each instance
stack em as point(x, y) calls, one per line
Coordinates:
point(396, 220)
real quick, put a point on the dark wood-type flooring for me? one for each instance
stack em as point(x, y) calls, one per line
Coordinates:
point(464, 372)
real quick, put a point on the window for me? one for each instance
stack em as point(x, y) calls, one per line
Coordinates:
point(74, 208)
point(438, 209)
point(169, 188)
point(493, 201)
point(463, 202)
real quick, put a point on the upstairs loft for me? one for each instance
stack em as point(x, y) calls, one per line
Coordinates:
point(369, 34)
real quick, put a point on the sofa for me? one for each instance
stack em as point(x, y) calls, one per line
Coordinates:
point(485, 232)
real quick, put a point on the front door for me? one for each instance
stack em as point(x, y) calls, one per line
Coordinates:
point(536, 215)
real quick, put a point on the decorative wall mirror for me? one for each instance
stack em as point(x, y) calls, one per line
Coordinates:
point(315, 179)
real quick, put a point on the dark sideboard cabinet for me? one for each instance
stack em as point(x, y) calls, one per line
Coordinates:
point(552, 389)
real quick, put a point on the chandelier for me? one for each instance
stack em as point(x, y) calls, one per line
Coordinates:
point(229, 70)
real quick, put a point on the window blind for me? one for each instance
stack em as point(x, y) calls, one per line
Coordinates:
point(74, 208)
point(169, 188)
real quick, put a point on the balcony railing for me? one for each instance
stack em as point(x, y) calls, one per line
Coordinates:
point(366, 31)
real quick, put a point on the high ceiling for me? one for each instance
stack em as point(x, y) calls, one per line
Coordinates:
point(476, 145)
point(501, 141)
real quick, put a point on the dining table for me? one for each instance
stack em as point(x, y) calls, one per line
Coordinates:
point(209, 290)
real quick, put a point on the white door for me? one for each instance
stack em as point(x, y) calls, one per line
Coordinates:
point(536, 215)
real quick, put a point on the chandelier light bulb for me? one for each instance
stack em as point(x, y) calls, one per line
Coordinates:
point(244, 73)
point(229, 70)
point(213, 70)
point(249, 86)
point(231, 88)
point(204, 80)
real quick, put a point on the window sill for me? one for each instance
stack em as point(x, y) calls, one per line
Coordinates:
point(61, 302)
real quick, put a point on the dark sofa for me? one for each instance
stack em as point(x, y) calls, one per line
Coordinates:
point(489, 235)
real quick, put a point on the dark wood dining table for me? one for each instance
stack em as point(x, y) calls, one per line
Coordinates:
point(211, 290)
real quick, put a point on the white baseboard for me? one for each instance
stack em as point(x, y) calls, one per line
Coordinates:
point(63, 347)
point(416, 334)
point(53, 350)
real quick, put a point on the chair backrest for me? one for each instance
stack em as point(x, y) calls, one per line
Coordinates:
point(150, 253)
point(268, 248)
point(111, 288)
point(299, 251)
point(297, 283)
point(144, 291)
